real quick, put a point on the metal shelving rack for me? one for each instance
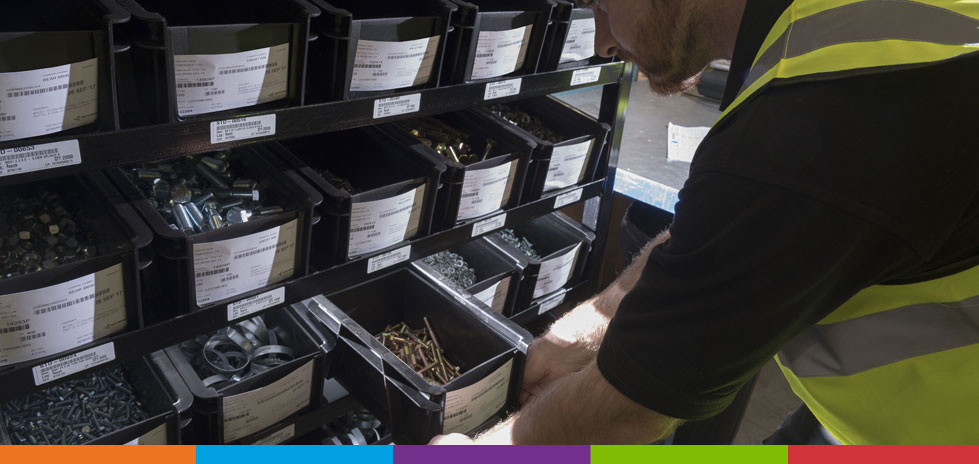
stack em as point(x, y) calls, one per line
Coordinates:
point(151, 143)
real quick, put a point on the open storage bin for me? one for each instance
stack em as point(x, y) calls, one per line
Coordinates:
point(377, 47)
point(563, 245)
point(397, 194)
point(229, 412)
point(495, 38)
point(57, 67)
point(570, 39)
point(497, 275)
point(197, 270)
point(489, 349)
point(63, 307)
point(482, 188)
point(221, 57)
point(571, 162)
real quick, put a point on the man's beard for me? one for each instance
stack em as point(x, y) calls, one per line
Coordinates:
point(672, 56)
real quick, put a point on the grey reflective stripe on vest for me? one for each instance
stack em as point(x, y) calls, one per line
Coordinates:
point(867, 21)
point(860, 344)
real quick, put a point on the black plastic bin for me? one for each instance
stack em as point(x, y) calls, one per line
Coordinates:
point(559, 166)
point(491, 36)
point(377, 47)
point(43, 312)
point(497, 275)
point(397, 200)
point(489, 349)
point(221, 57)
point(570, 39)
point(493, 185)
point(171, 282)
point(57, 67)
point(563, 245)
point(292, 388)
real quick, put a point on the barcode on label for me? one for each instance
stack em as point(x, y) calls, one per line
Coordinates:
point(192, 85)
point(16, 328)
point(457, 414)
point(254, 304)
point(29, 154)
point(249, 68)
point(216, 92)
point(388, 259)
point(32, 158)
point(397, 211)
point(361, 229)
point(220, 270)
point(25, 93)
point(487, 225)
point(27, 338)
point(12, 117)
point(241, 125)
point(229, 278)
point(255, 251)
point(483, 55)
point(73, 363)
point(367, 66)
point(48, 309)
point(242, 129)
point(471, 194)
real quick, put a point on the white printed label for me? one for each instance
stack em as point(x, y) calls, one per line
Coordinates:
point(495, 295)
point(30, 158)
point(555, 272)
point(502, 89)
point(483, 190)
point(231, 267)
point(394, 106)
point(467, 408)
point(279, 437)
point(388, 259)
point(567, 198)
point(254, 304)
point(48, 100)
point(80, 361)
point(393, 65)
point(209, 83)
point(49, 320)
point(585, 76)
point(378, 224)
point(252, 127)
point(580, 44)
point(250, 412)
point(157, 436)
point(489, 225)
point(500, 52)
point(567, 165)
point(684, 142)
point(551, 303)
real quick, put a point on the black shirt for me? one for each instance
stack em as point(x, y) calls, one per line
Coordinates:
point(811, 193)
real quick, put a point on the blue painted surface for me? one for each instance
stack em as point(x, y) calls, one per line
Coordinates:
point(645, 190)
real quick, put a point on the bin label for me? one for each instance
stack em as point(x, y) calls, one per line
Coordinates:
point(77, 362)
point(555, 272)
point(278, 437)
point(485, 190)
point(580, 44)
point(224, 81)
point(231, 267)
point(501, 89)
point(386, 260)
point(157, 436)
point(567, 198)
point(259, 409)
point(49, 320)
point(467, 408)
point(30, 158)
point(489, 225)
point(501, 52)
point(551, 303)
point(378, 224)
point(394, 106)
point(48, 100)
point(252, 305)
point(229, 130)
point(393, 65)
point(495, 295)
point(586, 76)
point(567, 166)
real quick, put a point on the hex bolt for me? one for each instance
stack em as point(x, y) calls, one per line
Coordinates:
point(209, 175)
point(196, 216)
point(184, 221)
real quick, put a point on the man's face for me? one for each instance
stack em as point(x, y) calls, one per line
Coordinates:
point(668, 39)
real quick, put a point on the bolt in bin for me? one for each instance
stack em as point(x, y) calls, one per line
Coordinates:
point(571, 162)
point(378, 47)
point(87, 287)
point(489, 349)
point(570, 39)
point(57, 67)
point(143, 382)
point(473, 191)
point(228, 411)
point(497, 275)
point(396, 197)
point(193, 270)
point(494, 38)
point(563, 245)
point(222, 57)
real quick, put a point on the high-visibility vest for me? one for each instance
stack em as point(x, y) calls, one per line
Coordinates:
point(895, 364)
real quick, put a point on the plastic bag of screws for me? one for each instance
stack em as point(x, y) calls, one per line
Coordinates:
point(526, 121)
point(453, 266)
point(419, 349)
point(447, 141)
point(41, 232)
point(200, 193)
point(520, 243)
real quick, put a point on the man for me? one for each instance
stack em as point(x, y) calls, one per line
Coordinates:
point(831, 217)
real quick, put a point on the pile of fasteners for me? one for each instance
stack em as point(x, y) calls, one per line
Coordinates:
point(453, 267)
point(39, 233)
point(237, 352)
point(420, 350)
point(528, 122)
point(74, 412)
point(357, 428)
point(202, 193)
point(446, 140)
point(339, 182)
point(520, 243)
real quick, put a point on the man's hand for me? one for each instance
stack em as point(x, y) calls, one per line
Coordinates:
point(452, 439)
point(550, 359)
